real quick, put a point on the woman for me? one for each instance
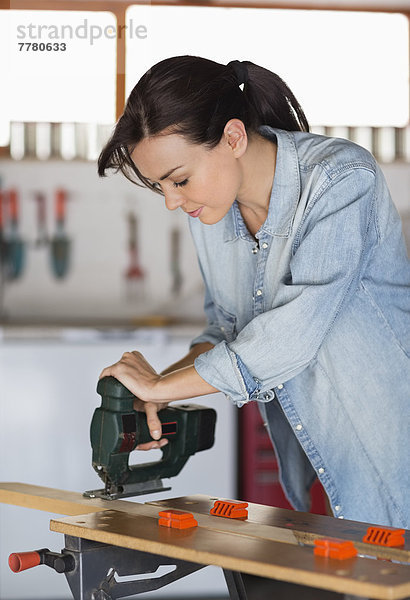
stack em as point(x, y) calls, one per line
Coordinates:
point(306, 276)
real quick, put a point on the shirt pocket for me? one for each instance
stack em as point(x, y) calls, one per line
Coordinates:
point(226, 323)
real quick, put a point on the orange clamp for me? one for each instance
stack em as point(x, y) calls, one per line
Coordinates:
point(383, 536)
point(177, 519)
point(333, 548)
point(230, 508)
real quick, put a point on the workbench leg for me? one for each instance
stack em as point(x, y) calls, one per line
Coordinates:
point(105, 572)
point(235, 585)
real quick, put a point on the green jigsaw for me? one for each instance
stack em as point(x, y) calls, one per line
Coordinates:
point(116, 430)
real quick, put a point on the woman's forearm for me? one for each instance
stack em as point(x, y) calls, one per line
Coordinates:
point(181, 384)
point(188, 360)
point(181, 381)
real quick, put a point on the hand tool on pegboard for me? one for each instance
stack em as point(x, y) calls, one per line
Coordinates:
point(134, 275)
point(60, 243)
point(16, 250)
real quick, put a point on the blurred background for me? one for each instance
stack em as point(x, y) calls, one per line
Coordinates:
point(92, 267)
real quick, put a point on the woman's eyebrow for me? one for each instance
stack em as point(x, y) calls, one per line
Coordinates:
point(166, 174)
point(169, 172)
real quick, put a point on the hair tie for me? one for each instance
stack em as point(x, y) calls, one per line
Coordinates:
point(240, 70)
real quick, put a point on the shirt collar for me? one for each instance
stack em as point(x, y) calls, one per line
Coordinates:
point(284, 196)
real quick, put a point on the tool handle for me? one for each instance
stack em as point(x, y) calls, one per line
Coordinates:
point(13, 205)
point(1, 211)
point(62, 563)
point(20, 561)
point(60, 205)
point(41, 207)
point(115, 396)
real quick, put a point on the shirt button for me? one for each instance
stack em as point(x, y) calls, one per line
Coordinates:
point(341, 517)
point(259, 292)
point(321, 470)
point(222, 328)
point(337, 508)
point(299, 427)
point(264, 245)
point(254, 250)
point(280, 386)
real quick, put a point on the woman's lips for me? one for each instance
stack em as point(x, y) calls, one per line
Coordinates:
point(196, 213)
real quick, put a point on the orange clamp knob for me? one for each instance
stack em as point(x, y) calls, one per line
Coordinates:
point(333, 548)
point(230, 508)
point(20, 561)
point(383, 536)
point(177, 519)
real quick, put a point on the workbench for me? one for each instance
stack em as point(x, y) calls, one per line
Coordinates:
point(113, 540)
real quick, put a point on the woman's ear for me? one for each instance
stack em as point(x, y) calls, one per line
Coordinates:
point(236, 137)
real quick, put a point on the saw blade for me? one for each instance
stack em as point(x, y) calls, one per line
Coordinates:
point(113, 492)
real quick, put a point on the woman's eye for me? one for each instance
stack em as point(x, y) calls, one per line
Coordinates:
point(181, 183)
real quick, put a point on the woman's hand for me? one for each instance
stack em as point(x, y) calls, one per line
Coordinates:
point(133, 371)
point(136, 374)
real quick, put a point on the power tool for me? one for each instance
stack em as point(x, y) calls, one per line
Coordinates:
point(116, 430)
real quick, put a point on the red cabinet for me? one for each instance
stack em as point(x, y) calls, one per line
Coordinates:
point(258, 467)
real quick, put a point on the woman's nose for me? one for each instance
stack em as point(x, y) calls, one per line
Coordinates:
point(173, 200)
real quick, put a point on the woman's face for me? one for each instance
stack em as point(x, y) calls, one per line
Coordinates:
point(203, 183)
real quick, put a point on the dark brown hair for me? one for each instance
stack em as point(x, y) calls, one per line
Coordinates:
point(196, 97)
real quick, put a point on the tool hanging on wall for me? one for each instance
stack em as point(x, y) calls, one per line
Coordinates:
point(3, 255)
point(42, 236)
point(134, 275)
point(40, 245)
point(3, 245)
point(176, 273)
point(15, 247)
point(60, 243)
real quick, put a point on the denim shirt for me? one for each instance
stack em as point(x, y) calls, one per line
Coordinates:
point(312, 320)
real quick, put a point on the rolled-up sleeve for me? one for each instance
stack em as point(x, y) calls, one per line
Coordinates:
point(329, 252)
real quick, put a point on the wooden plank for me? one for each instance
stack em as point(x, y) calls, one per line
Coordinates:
point(297, 564)
point(264, 522)
point(62, 502)
point(305, 527)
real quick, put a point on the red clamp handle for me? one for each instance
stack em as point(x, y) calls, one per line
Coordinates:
point(62, 563)
point(20, 561)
